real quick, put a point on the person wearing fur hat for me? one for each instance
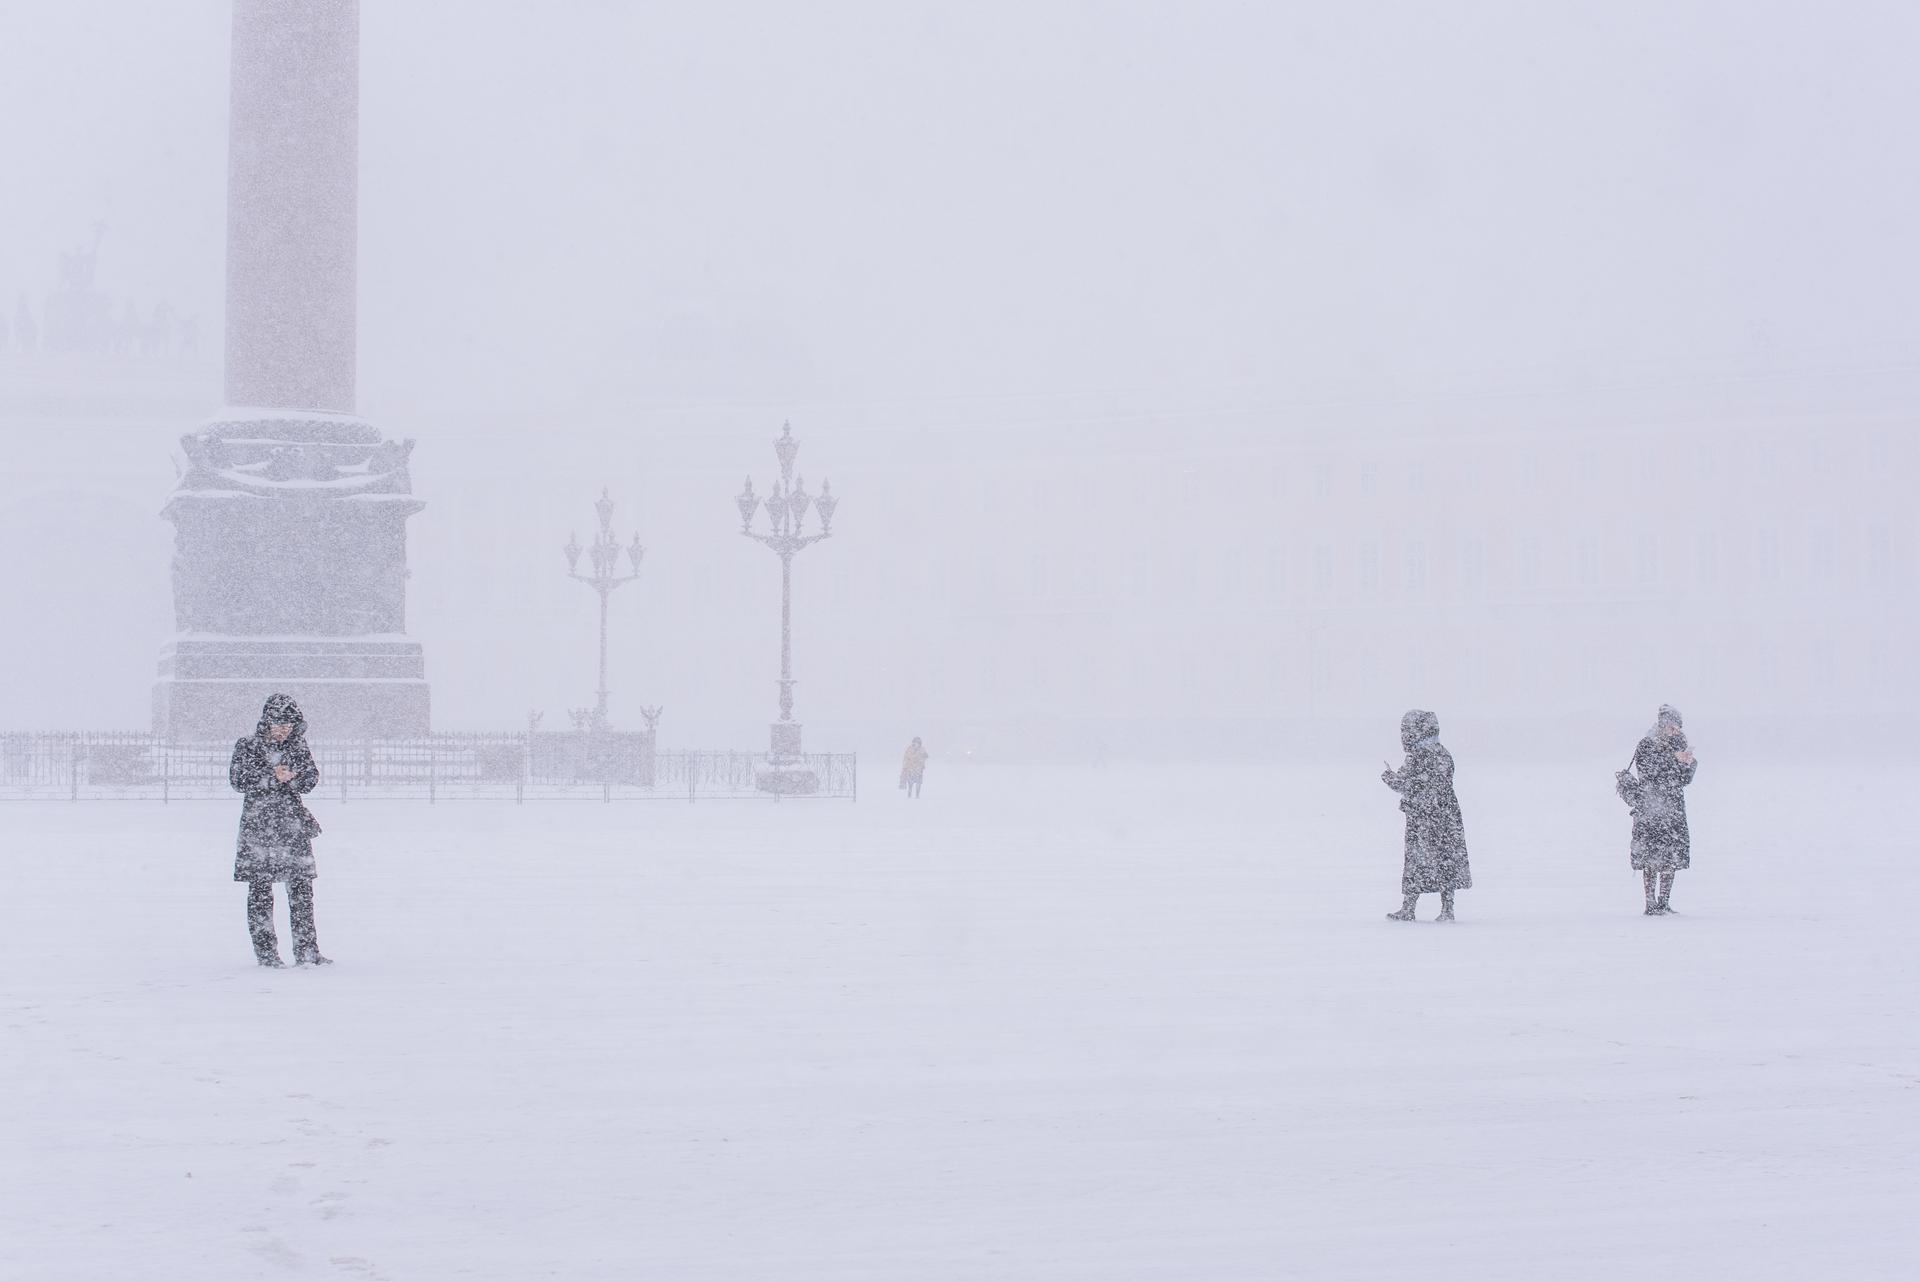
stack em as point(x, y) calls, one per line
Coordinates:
point(1663, 766)
point(273, 769)
point(1435, 856)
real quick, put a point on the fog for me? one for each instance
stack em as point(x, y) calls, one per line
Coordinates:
point(1197, 377)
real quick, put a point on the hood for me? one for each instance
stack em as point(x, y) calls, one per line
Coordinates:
point(1669, 715)
point(280, 709)
point(1416, 725)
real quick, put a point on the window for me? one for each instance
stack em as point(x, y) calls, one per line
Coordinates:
point(1530, 562)
point(1086, 573)
point(1370, 568)
point(1587, 561)
point(1820, 558)
point(1416, 568)
point(1187, 675)
point(1276, 573)
point(1706, 559)
point(1189, 490)
point(1879, 552)
point(1650, 465)
point(1646, 560)
point(1473, 569)
point(1825, 669)
point(1186, 574)
point(1233, 575)
point(1323, 569)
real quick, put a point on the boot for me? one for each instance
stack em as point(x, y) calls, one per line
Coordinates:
point(1406, 909)
point(266, 947)
point(306, 943)
point(1661, 906)
point(1653, 902)
point(1446, 906)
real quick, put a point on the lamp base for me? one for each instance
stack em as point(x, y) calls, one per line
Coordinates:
point(788, 782)
point(786, 740)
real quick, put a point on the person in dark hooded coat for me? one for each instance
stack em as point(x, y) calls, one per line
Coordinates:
point(273, 769)
point(1663, 766)
point(1435, 859)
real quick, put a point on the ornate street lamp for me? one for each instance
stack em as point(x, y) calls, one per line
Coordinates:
point(604, 554)
point(787, 507)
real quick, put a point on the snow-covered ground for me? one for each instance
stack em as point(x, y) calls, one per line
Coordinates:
point(1041, 1024)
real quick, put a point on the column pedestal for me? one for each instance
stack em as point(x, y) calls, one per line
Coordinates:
point(289, 576)
point(785, 774)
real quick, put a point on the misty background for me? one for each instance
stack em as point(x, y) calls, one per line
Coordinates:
point(1196, 376)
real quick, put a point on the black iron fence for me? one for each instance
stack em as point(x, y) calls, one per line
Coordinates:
point(606, 767)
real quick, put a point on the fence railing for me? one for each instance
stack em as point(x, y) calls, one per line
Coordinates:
point(606, 767)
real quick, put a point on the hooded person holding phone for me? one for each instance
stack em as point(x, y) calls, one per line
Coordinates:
point(1655, 788)
point(273, 769)
point(1435, 856)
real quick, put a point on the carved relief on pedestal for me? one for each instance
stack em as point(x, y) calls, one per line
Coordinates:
point(333, 455)
point(291, 525)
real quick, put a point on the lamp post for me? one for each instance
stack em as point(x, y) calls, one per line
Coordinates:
point(604, 554)
point(787, 508)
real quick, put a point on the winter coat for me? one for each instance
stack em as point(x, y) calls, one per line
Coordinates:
point(1661, 839)
point(1435, 856)
point(276, 831)
point(913, 766)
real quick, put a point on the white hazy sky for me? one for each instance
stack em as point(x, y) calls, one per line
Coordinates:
point(1204, 200)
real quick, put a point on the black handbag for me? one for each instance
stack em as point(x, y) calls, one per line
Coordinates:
point(1630, 787)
